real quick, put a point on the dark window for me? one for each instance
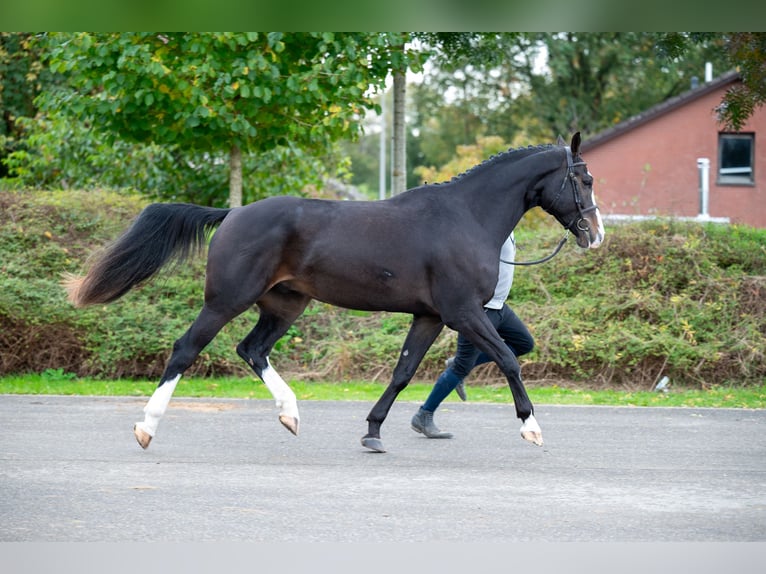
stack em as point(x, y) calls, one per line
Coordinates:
point(735, 159)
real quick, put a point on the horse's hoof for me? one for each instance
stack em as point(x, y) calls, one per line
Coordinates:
point(373, 443)
point(533, 437)
point(290, 423)
point(143, 437)
point(530, 431)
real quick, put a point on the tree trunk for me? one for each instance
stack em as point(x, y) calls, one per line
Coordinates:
point(399, 175)
point(235, 177)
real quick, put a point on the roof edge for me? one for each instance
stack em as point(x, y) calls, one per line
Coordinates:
point(659, 110)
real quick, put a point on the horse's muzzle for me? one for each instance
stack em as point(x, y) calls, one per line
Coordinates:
point(589, 229)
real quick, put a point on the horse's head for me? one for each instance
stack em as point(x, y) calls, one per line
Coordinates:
point(569, 198)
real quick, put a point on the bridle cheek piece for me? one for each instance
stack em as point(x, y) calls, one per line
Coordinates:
point(578, 222)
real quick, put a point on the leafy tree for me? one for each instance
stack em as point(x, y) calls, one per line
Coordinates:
point(590, 81)
point(596, 80)
point(469, 155)
point(464, 158)
point(210, 93)
point(481, 75)
point(22, 77)
point(57, 152)
point(744, 51)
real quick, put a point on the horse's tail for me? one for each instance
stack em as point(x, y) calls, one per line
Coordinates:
point(161, 232)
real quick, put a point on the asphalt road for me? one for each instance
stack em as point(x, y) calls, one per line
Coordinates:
point(226, 470)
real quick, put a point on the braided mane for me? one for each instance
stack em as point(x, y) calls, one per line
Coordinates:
point(512, 153)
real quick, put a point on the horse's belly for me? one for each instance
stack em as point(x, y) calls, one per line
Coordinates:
point(363, 295)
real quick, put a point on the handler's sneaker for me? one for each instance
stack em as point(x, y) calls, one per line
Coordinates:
point(460, 388)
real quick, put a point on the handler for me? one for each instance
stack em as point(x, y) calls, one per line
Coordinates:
point(508, 325)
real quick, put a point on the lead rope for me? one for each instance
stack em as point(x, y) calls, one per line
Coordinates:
point(544, 259)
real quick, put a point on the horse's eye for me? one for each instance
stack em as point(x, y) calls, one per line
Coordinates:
point(587, 180)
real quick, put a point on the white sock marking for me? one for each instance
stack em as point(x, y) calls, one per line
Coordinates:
point(530, 425)
point(282, 393)
point(157, 405)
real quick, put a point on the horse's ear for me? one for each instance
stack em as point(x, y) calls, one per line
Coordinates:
point(575, 144)
point(560, 141)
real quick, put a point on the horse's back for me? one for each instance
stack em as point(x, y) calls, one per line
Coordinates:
point(331, 224)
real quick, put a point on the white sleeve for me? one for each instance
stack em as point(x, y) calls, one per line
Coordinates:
point(505, 274)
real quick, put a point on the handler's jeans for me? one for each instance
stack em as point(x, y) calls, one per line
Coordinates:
point(510, 328)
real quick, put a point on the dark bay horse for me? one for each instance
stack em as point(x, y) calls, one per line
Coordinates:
point(431, 252)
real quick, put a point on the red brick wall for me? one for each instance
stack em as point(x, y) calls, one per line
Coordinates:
point(652, 169)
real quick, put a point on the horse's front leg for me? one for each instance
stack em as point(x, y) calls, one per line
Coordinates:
point(530, 429)
point(509, 365)
point(480, 331)
point(422, 334)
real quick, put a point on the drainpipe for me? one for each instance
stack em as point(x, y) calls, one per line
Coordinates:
point(703, 166)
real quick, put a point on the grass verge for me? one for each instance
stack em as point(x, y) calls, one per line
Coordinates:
point(58, 383)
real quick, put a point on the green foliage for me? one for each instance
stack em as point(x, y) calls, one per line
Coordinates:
point(658, 298)
point(597, 80)
point(59, 382)
point(494, 84)
point(160, 112)
point(19, 71)
point(743, 51)
point(208, 91)
point(22, 77)
point(470, 155)
point(61, 153)
point(466, 157)
point(58, 375)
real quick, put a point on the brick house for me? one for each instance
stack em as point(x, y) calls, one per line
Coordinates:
point(648, 164)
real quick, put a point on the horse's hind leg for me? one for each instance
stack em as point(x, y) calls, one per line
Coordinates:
point(279, 308)
point(422, 334)
point(185, 351)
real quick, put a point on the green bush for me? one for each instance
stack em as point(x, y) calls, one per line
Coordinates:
point(61, 152)
point(658, 298)
point(664, 297)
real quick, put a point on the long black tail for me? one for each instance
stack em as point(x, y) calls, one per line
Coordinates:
point(161, 232)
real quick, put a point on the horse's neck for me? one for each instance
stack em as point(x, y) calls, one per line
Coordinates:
point(502, 193)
